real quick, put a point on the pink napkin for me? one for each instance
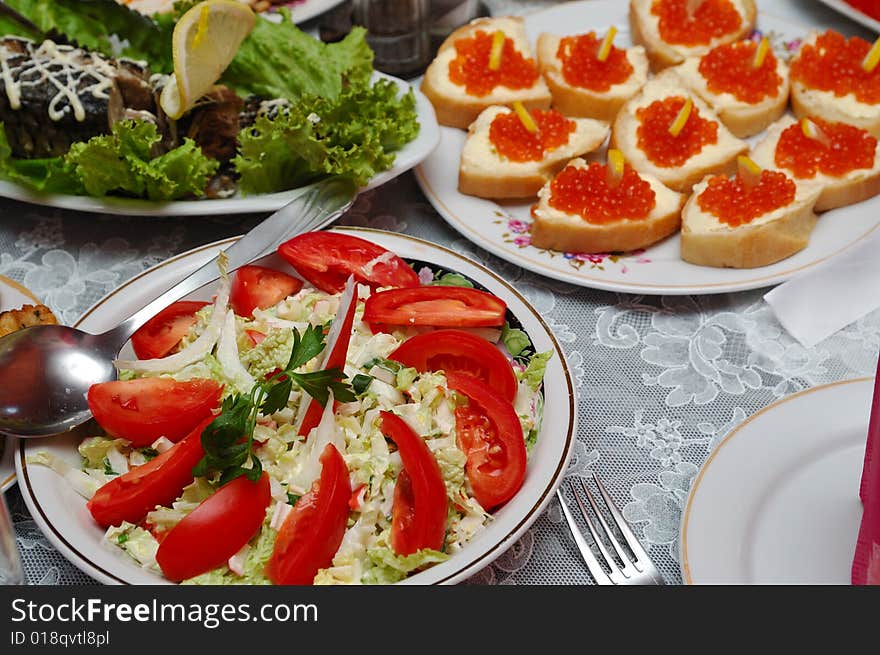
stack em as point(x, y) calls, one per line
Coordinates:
point(866, 562)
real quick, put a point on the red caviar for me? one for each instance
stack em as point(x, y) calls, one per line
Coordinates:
point(712, 19)
point(513, 141)
point(732, 202)
point(851, 149)
point(581, 66)
point(470, 68)
point(659, 145)
point(729, 69)
point(834, 64)
point(585, 191)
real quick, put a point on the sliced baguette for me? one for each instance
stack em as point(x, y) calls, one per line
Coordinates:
point(579, 101)
point(806, 102)
point(741, 118)
point(779, 234)
point(855, 186)
point(457, 108)
point(556, 230)
point(484, 173)
point(645, 28)
point(719, 157)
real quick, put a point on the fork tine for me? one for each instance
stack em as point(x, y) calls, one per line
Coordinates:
point(609, 559)
point(643, 562)
point(589, 558)
point(628, 567)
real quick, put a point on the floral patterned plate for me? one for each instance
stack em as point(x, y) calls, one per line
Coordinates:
point(64, 519)
point(503, 228)
point(12, 296)
point(791, 515)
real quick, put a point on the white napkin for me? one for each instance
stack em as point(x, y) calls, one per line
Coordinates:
point(816, 304)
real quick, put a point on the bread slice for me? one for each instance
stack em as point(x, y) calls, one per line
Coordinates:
point(719, 157)
point(454, 106)
point(743, 119)
point(579, 101)
point(557, 230)
point(848, 189)
point(485, 173)
point(806, 102)
point(776, 235)
point(645, 28)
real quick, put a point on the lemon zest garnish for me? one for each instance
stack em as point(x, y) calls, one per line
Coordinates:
point(761, 53)
point(605, 48)
point(681, 120)
point(749, 171)
point(203, 25)
point(814, 132)
point(525, 117)
point(498, 39)
point(616, 166)
point(869, 63)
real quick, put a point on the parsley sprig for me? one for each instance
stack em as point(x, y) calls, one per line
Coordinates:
point(228, 440)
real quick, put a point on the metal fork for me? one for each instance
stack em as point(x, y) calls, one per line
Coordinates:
point(627, 568)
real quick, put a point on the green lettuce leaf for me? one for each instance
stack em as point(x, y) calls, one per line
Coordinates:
point(278, 60)
point(121, 163)
point(534, 372)
point(389, 567)
point(354, 136)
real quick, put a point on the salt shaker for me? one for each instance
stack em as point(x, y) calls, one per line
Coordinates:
point(397, 31)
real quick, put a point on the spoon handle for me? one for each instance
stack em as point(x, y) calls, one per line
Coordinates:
point(321, 204)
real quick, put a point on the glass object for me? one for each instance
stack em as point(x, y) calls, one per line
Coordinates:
point(397, 31)
point(10, 562)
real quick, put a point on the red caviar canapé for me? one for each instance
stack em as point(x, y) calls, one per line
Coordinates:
point(712, 19)
point(470, 68)
point(661, 147)
point(850, 149)
point(729, 69)
point(581, 66)
point(513, 141)
point(834, 64)
point(731, 201)
point(585, 191)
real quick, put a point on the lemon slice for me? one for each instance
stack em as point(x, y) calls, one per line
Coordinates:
point(605, 48)
point(812, 131)
point(497, 50)
point(749, 171)
point(872, 58)
point(616, 167)
point(681, 120)
point(205, 41)
point(761, 53)
point(525, 117)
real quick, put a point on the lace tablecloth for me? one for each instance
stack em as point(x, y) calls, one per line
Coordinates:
point(661, 379)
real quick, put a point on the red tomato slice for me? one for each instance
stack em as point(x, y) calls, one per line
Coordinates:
point(215, 530)
point(311, 533)
point(457, 351)
point(132, 495)
point(490, 434)
point(418, 517)
point(326, 259)
point(148, 408)
point(255, 336)
point(160, 334)
point(436, 306)
point(258, 287)
point(337, 345)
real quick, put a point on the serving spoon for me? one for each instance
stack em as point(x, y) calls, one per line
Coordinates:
point(46, 370)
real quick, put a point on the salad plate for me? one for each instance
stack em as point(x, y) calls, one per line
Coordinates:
point(791, 515)
point(12, 296)
point(502, 228)
point(66, 521)
point(854, 13)
point(406, 158)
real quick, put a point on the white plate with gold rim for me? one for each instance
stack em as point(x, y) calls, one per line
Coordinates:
point(12, 296)
point(777, 502)
point(64, 519)
point(502, 228)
